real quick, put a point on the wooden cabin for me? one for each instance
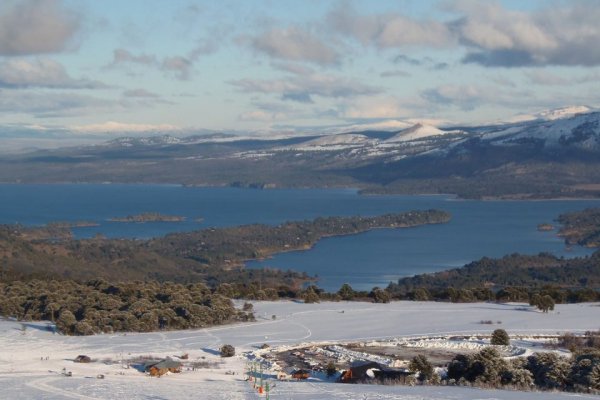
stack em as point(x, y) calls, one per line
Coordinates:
point(159, 368)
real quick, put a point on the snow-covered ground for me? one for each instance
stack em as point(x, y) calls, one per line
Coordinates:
point(26, 374)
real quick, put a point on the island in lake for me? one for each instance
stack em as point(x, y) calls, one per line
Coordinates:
point(148, 217)
point(545, 227)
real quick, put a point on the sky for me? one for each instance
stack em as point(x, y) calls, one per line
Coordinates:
point(113, 67)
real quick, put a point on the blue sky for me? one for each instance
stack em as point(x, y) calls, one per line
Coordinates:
point(272, 66)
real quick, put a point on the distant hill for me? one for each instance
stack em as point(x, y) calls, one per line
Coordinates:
point(552, 154)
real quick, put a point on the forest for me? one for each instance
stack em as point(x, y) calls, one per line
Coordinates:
point(212, 255)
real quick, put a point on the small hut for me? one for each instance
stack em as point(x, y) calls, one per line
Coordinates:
point(159, 368)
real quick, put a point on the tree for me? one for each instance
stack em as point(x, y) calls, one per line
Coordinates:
point(66, 322)
point(500, 338)
point(421, 365)
point(346, 292)
point(227, 350)
point(310, 296)
point(380, 295)
point(544, 303)
point(421, 294)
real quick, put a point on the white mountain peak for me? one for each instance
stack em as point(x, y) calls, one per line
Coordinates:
point(418, 131)
point(563, 112)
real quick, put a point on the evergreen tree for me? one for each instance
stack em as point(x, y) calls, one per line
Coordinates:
point(500, 338)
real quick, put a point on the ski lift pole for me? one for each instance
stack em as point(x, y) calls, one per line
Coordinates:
point(261, 375)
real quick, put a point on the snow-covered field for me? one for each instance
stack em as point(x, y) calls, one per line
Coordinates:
point(25, 373)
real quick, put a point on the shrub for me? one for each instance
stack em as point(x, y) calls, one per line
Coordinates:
point(500, 338)
point(227, 350)
point(421, 365)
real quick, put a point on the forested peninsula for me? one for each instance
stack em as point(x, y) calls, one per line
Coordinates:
point(581, 227)
point(518, 277)
point(211, 255)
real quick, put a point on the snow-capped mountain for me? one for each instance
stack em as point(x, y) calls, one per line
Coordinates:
point(579, 130)
point(564, 112)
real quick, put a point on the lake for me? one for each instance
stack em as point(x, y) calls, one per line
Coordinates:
point(477, 229)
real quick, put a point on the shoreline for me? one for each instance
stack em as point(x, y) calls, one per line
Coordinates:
point(359, 191)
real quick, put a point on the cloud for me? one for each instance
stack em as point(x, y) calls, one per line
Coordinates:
point(141, 93)
point(558, 34)
point(302, 88)
point(178, 66)
point(112, 126)
point(300, 97)
point(427, 62)
point(404, 59)
point(394, 73)
point(261, 115)
point(546, 78)
point(466, 97)
point(44, 73)
point(295, 44)
point(470, 97)
point(122, 56)
point(50, 104)
point(374, 108)
point(388, 30)
point(296, 69)
point(35, 27)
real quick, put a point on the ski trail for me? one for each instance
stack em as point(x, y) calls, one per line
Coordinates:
point(43, 385)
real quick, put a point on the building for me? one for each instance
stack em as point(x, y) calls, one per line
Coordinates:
point(159, 368)
point(374, 372)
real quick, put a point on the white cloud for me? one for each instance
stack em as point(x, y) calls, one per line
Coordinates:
point(50, 104)
point(302, 88)
point(113, 126)
point(378, 107)
point(40, 73)
point(558, 34)
point(178, 66)
point(295, 44)
point(35, 26)
point(389, 30)
point(142, 93)
point(122, 56)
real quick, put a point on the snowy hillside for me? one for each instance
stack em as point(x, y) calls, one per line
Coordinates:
point(419, 131)
point(565, 112)
point(581, 130)
point(33, 359)
point(333, 142)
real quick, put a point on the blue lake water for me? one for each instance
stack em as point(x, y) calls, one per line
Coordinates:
point(477, 229)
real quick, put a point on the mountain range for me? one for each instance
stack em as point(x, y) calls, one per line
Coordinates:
point(552, 154)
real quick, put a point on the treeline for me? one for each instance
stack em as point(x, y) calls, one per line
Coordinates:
point(99, 306)
point(488, 368)
point(226, 246)
point(212, 256)
point(515, 270)
point(546, 371)
point(581, 227)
